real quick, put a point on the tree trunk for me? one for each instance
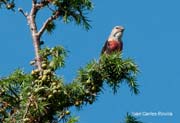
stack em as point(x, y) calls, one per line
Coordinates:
point(36, 43)
point(35, 36)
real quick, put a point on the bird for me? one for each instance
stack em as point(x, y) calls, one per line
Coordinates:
point(114, 42)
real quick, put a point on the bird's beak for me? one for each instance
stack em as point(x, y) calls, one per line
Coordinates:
point(122, 30)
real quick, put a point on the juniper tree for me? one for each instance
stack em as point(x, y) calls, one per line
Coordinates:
point(41, 96)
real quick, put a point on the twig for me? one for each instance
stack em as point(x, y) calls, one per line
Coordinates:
point(21, 10)
point(50, 19)
point(27, 108)
point(50, 8)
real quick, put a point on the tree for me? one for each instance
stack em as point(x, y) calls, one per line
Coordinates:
point(41, 96)
point(130, 119)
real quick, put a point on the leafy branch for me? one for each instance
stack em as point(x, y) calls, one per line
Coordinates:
point(49, 96)
point(41, 96)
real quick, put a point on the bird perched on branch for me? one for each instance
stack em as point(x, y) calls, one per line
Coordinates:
point(114, 42)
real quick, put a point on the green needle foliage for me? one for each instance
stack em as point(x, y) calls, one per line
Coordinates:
point(131, 119)
point(50, 27)
point(67, 10)
point(9, 4)
point(116, 70)
point(39, 96)
point(73, 10)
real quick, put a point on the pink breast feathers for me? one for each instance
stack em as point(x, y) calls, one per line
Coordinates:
point(114, 45)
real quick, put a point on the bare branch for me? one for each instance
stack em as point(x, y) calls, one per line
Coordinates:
point(27, 108)
point(50, 19)
point(21, 10)
point(50, 8)
point(34, 10)
point(40, 5)
point(31, 18)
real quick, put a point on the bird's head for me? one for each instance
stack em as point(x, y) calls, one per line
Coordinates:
point(116, 33)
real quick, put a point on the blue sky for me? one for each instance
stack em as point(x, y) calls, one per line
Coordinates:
point(151, 38)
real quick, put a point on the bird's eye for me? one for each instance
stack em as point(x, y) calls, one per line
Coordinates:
point(117, 27)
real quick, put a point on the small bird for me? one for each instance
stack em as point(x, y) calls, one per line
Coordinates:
point(114, 42)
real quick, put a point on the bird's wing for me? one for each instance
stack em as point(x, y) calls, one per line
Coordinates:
point(121, 45)
point(104, 47)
